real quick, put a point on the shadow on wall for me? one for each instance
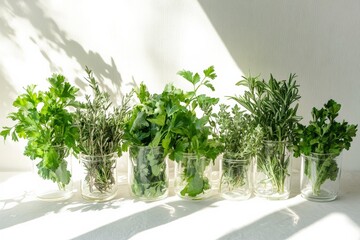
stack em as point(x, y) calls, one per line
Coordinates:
point(7, 93)
point(56, 38)
point(317, 40)
point(313, 39)
point(264, 36)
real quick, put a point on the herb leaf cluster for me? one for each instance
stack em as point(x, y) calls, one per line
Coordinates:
point(324, 134)
point(170, 120)
point(324, 138)
point(196, 135)
point(101, 130)
point(100, 124)
point(44, 119)
point(240, 137)
point(241, 140)
point(145, 133)
point(273, 105)
point(149, 178)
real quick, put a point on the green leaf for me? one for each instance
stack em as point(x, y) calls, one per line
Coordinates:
point(6, 132)
point(159, 120)
point(156, 141)
point(194, 187)
point(166, 141)
point(196, 78)
point(139, 122)
point(187, 75)
point(209, 85)
point(156, 170)
point(210, 72)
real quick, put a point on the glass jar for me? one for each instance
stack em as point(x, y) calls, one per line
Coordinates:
point(193, 177)
point(235, 180)
point(148, 173)
point(98, 182)
point(320, 176)
point(51, 189)
point(273, 171)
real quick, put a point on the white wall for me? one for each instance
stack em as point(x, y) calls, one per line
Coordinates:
point(126, 41)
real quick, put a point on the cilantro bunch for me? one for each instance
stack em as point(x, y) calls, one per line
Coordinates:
point(324, 138)
point(43, 118)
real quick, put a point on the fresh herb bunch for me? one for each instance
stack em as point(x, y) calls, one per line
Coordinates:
point(44, 119)
point(241, 140)
point(195, 135)
point(101, 130)
point(324, 138)
point(169, 120)
point(149, 179)
point(240, 136)
point(273, 105)
point(144, 133)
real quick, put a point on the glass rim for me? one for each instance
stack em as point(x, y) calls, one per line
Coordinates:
point(314, 155)
point(243, 160)
point(146, 147)
point(276, 141)
point(114, 154)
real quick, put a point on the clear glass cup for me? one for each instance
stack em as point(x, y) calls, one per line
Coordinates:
point(148, 173)
point(320, 177)
point(98, 182)
point(273, 171)
point(193, 176)
point(48, 190)
point(235, 180)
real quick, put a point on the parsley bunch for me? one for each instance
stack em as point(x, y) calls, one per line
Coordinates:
point(324, 138)
point(44, 119)
point(193, 134)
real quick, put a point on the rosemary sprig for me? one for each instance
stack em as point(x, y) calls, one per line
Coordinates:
point(273, 106)
point(100, 134)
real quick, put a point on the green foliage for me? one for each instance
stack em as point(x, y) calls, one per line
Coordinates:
point(234, 173)
point(193, 175)
point(241, 140)
point(43, 118)
point(145, 131)
point(273, 106)
point(100, 133)
point(169, 119)
point(149, 175)
point(326, 138)
point(195, 135)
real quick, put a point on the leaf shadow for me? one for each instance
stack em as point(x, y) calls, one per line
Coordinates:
point(48, 32)
point(129, 226)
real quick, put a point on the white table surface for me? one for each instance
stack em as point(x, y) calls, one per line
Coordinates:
point(22, 216)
